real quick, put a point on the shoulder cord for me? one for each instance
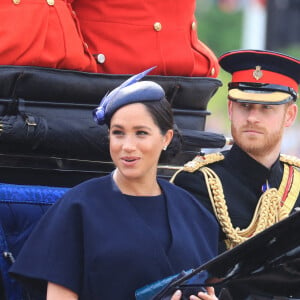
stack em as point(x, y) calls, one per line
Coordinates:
point(290, 160)
point(198, 162)
point(269, 209)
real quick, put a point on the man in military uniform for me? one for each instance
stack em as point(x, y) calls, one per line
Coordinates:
point(251, 186)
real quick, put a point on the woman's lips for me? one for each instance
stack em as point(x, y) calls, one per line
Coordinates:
point(129, 160)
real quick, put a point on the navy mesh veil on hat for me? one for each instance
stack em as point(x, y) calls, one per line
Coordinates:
point(130, 91)
point(261, 76)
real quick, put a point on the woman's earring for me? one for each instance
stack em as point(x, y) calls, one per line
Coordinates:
point(165, 148)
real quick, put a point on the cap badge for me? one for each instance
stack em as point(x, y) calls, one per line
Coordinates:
point(258, 74)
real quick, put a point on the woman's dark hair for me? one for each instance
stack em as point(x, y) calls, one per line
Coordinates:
point(162, 115)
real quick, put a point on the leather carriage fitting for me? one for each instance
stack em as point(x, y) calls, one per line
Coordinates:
point(65, 86)
point(265, 267)
point(46, 115)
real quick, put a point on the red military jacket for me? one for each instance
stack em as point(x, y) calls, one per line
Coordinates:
point(42, 33)
point(128, 36)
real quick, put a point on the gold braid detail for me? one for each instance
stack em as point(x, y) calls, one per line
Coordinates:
point(285, 210)
point(289, 203)
point(290, 160)
point(268, 210)
point(198, 162)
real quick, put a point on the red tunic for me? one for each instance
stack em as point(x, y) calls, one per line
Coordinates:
point(128, 36)
point(42, 33)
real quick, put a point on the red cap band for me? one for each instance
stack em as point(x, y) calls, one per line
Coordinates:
point(264, 76)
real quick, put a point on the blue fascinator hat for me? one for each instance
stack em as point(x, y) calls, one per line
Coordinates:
point(130, 91)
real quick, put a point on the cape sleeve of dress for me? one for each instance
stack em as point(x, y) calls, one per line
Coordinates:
point(53, 251)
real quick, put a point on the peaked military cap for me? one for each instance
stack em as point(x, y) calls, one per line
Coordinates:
point(261, 76)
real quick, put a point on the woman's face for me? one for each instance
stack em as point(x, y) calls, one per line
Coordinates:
point(136, 142)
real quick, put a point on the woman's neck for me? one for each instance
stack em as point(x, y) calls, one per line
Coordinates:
point(136, 187)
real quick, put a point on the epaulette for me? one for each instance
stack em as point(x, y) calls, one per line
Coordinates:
point(291, 160)
point(202, 160)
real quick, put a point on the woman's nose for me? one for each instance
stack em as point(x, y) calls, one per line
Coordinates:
point(129, 143)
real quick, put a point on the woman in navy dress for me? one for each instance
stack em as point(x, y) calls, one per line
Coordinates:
point(111, 235)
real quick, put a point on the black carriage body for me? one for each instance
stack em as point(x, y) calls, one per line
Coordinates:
point(47, 130)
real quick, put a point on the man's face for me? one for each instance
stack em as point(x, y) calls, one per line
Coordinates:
point(258, 128)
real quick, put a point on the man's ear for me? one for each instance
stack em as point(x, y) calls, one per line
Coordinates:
point(291, 115)
point(229, 109)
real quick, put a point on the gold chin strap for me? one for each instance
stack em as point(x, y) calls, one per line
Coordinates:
point(273, 205)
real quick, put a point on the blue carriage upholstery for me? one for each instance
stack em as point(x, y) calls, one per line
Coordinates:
point(21, 207)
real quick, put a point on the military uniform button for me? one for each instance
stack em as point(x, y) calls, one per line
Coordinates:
point(213, 71)
point(101, 58)
point(16, 1)
point(157, 26)
point(194, 26)
point(51, 2)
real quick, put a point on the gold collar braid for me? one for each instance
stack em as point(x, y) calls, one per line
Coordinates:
point(270, 209)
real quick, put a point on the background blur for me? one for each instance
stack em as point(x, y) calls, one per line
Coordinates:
point(226, 25)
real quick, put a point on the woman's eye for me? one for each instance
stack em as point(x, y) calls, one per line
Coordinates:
point(141, 132)
point(117, 132)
